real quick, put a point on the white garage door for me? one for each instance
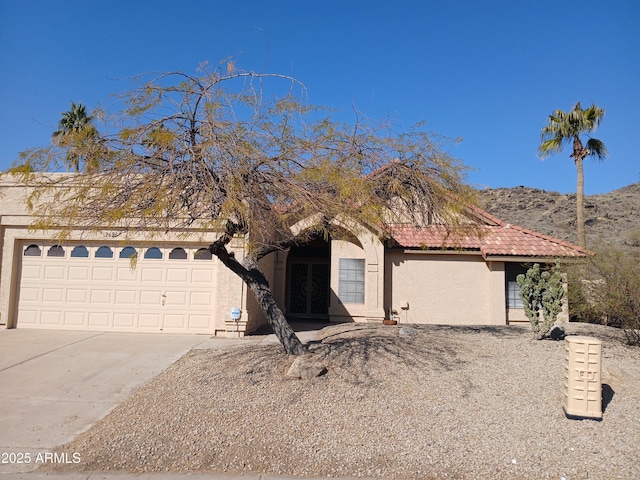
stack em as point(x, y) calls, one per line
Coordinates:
point(99, 287)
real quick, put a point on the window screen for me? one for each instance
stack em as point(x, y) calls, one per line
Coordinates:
point(351, 280)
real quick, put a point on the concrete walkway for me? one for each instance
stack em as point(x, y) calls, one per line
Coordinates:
point(56, 384)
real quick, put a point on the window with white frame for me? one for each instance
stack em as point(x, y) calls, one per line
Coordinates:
point(512, 270)
point(351, 280)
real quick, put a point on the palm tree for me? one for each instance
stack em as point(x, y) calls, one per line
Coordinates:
point(566, 127)
point(74, 128)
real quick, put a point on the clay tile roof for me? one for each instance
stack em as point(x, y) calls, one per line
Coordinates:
point(493, 239)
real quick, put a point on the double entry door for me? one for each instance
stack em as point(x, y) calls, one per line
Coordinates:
point(308, 289)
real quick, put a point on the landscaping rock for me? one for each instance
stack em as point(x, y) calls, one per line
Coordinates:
point(407, 332)
point(557, 333)
point(305, 367)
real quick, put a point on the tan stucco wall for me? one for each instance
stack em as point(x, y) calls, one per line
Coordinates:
point(345, 311)
point(446, 288)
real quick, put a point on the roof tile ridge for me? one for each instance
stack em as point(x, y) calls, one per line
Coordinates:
point(549, 237)
point(486, 215)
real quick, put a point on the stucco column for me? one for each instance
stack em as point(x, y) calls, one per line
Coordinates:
point(374, 278)
point(8, 266)
point(497, 294)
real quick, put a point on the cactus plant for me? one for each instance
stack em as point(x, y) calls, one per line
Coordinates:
point(541, 290)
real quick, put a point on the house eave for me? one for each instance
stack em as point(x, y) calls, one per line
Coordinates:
point(528, 258)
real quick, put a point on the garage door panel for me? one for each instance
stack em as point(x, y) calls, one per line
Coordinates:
point(74, 319)
point(176, 321)
point(102, 273)
point(150, 297)
point(30, 294)
point(126, 275)
point(124, 320)
point(52, 295)
point(29, 317)
point(77, 295)
point(126, 297)
point(177, 274)
point(31, 272)
point(201, 276)
point(200, 298)
point(84, 292)
point(54, 272)
point(78, 272)
point(149, 320)
point(152, 274)
point(51, 317)
point(98, 319)
point(176, 299)
point(101, 296)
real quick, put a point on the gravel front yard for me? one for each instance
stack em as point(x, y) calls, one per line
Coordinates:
point(446, 402)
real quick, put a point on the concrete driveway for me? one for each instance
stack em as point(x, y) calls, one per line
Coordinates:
point(56, 384)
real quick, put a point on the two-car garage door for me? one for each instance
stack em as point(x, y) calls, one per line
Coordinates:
point(114, 287)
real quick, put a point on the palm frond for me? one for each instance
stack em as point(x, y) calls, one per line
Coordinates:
point(593, 115)
point(597, 148)
point(550, 146)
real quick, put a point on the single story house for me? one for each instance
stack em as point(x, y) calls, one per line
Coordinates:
point(416, 275)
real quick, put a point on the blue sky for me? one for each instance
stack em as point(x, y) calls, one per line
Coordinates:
point(487, 71)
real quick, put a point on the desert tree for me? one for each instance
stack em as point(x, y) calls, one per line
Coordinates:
point(567, 127)
point(241, 154)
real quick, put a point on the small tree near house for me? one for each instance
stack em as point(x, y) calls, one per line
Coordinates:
point(542, 291)
point(233, 154)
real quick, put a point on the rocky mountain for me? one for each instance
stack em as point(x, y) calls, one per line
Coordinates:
point(611, 219)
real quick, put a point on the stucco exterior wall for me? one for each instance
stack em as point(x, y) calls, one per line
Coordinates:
point(338, 310)
point(445, 288)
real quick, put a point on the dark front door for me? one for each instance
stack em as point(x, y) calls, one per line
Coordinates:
point(308, 289)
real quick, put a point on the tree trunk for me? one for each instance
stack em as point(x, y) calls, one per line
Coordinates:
point(249, 271)
point(578, 155)
point(582, 236)
point(259, 286)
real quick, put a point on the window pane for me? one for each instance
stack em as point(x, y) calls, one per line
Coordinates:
point(178, 253)
point(56, 251)
point(512, 289)
point(128, 252)
point(203, 254)
point(153, 253)
point(80, 252)
point(32, 251)
point(351, 280)
point(104, 252)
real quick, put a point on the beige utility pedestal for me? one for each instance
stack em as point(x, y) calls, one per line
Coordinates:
point(583, 386)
